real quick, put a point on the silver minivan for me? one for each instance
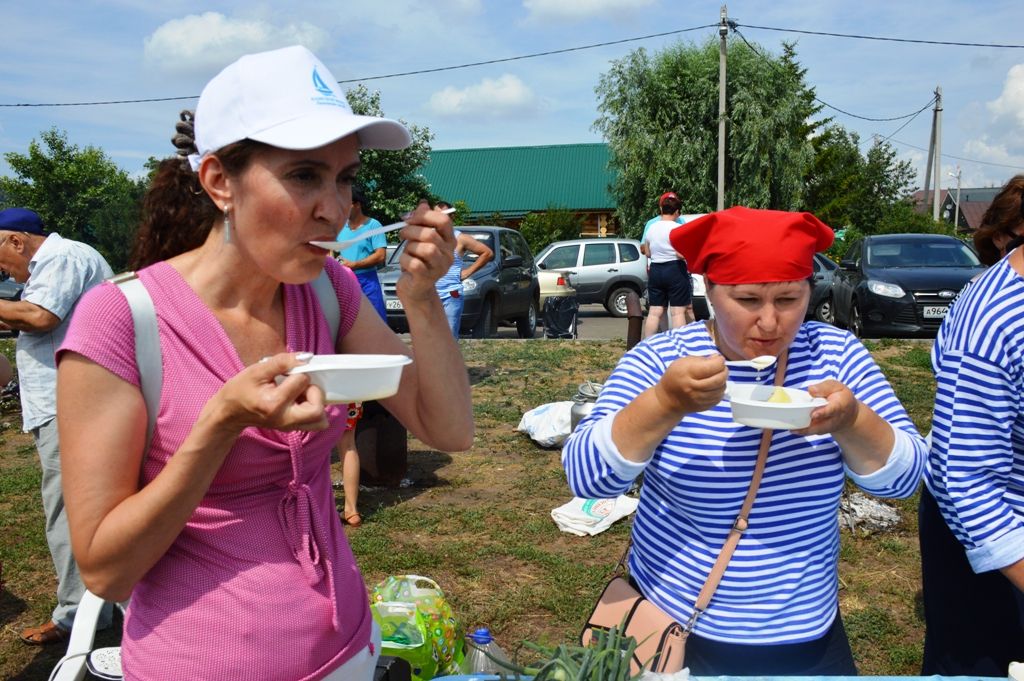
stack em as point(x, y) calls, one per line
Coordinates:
point(603, 270)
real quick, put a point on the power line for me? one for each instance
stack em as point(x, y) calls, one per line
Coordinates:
point(911, 119)
point(822, 101)
point(396, 75)
point(884, 38)
point(961, 158)
point(530, 56)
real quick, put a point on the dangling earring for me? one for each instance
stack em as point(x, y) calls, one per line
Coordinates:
point(227, 224)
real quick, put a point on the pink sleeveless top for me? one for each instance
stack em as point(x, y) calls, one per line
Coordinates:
point(261, 582)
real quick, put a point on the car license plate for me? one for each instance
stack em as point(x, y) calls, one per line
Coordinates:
point(393, 304)
point(934, 311)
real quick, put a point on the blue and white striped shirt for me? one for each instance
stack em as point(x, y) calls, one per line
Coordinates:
point(781, 584)
point(975, 468)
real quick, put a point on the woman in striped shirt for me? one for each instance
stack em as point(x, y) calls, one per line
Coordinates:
point(971, 517)
point(662, 413)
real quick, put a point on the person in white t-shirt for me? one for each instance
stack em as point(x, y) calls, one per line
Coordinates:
point(668, 280)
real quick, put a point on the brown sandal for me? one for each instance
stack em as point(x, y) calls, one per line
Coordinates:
point(353, 519)
point(44, 635)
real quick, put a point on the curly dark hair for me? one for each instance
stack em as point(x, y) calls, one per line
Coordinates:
point(177, 213)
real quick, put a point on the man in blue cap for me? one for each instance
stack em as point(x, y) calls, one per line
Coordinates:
point(56, 272)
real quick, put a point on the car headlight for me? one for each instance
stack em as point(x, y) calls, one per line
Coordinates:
point(468, 285)
point(884, 288)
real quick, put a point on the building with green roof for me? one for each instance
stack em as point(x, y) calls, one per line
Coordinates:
point(514, 181)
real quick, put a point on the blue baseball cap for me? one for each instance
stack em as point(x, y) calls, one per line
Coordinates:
point(22, 220)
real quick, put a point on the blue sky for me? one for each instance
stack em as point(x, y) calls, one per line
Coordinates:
point(66, 52)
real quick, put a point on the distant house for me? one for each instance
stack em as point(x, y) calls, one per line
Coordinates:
point(515, 181)
point(974, 201)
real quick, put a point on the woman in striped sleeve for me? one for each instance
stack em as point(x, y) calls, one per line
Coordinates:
point(662, 413)
point(971, 516)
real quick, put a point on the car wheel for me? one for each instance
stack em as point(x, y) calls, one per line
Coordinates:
point(616, 303)
point(825, 312)
point(526, 325)
point(856, 322)
point(487, 325)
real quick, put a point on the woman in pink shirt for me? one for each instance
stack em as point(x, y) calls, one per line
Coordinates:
point(224, 531)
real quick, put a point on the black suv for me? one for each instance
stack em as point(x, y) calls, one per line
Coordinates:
point(901, 284)
point(505, 290)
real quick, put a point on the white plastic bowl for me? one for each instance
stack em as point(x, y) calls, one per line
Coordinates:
point(749, 406)
point(355, 378)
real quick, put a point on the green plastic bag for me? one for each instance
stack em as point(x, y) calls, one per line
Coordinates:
point(417, 624)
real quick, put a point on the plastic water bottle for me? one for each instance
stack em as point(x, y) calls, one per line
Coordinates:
point(476, 661)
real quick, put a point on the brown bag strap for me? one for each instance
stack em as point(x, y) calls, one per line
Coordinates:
point(739, 526)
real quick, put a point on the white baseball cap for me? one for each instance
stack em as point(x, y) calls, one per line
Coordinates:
point(285, 98)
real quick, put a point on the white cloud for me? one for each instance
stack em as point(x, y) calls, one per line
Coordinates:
point(1010, 103)
point(490, 98)
point(575, 10)
point(203, 41)
point(1000, 139)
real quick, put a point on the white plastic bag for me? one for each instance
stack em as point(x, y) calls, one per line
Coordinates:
point(549, 424)
point(591, 516)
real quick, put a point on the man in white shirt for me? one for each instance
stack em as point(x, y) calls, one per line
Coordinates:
point(56, 272)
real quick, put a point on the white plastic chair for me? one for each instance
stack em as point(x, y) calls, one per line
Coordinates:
point(104, 663)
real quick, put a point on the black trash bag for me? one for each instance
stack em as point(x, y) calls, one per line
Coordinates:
point(560, 317)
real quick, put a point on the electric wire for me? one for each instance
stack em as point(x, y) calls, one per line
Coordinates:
point(911, 119)
point(963, 158)
point(821, 101)
point(885, 38)
point(389, 75)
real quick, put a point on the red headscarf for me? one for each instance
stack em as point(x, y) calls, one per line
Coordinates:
point(749, 246)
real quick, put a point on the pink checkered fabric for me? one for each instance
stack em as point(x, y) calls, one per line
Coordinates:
point(261, 583)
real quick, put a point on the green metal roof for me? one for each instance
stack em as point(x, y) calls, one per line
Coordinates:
point(517, 180)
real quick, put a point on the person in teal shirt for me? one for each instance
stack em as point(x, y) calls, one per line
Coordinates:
point(364, 257)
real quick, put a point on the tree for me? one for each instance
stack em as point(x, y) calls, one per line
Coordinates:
point(865, 192)
point(391, 178)
point(555, 224)
point(79, 192)
point(660, 117)
point(834, 178)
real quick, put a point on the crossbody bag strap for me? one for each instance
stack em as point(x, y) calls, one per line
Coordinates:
point(739, 526)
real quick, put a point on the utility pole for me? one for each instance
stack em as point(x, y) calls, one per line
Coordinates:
point(723, 31)
point(956, 218)
point(938, 151)
point(928, 168)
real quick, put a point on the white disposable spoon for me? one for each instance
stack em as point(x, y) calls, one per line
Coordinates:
point(342, 245)
point(760, 362)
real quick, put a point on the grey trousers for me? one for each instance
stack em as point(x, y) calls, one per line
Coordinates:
point(69, 583)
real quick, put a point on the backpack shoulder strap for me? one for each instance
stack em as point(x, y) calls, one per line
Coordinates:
point(324, 290)
point(147, 345)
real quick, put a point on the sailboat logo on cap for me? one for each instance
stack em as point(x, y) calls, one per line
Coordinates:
point(321, 87)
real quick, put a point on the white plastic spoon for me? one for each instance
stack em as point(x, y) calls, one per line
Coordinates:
point(342, 245)
point(760, 362)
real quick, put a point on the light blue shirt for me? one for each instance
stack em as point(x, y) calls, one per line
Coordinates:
point(452, 279)
point(58, 274)
point(364, 248)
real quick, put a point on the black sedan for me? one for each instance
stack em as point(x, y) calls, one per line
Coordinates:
point(891, 285)
point(821, 307)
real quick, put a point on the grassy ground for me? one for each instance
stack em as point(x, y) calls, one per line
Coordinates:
point(479, 522)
